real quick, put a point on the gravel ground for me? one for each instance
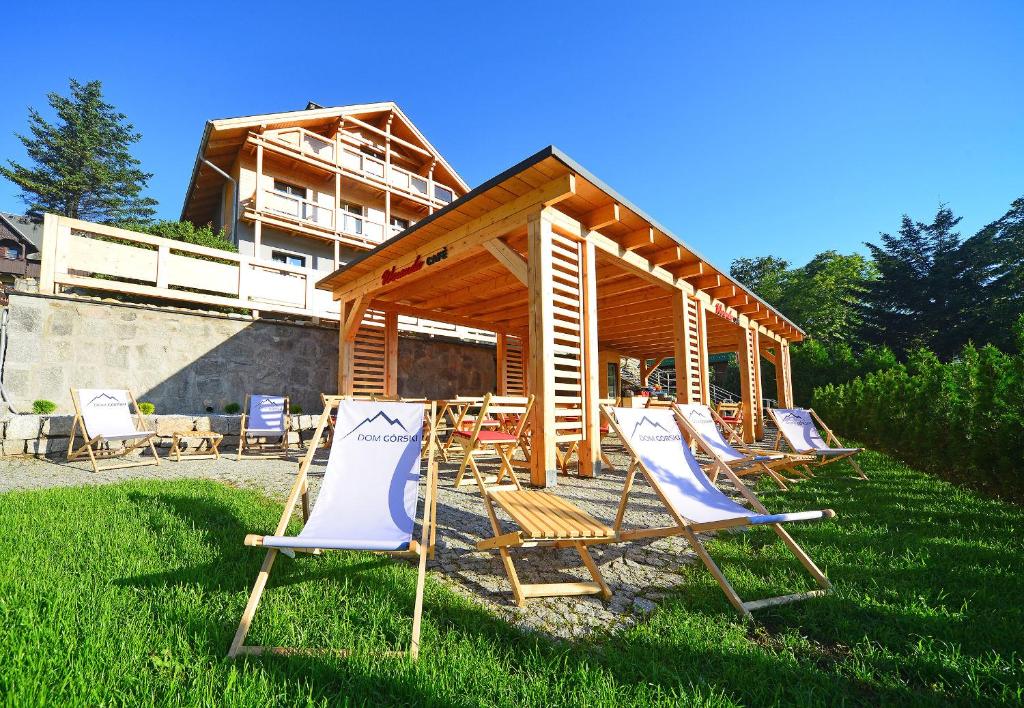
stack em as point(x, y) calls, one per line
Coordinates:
point(639, 573)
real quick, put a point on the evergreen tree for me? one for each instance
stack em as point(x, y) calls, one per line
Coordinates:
point(81, 164)
point(911, 303)
point(991, 293)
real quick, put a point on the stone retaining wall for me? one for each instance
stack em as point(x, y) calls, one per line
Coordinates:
point(48, 434)
point(193, 362)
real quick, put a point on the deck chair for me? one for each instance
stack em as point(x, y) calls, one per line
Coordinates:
point(264, 417)
point(797, 427)
point(702, 422)
point(103, 417)
point(658, 448)
point(731, 412)
point(486, 440)
point(544, 520)
point(367, 502)
point(456, 414)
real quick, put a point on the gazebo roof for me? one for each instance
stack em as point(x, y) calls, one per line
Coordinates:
point(639, 262)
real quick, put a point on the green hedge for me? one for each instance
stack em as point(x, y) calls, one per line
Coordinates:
point(962, 419)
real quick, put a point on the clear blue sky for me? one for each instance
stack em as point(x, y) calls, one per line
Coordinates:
point(748, 128)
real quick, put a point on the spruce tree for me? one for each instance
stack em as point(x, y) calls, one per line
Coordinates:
point(911, 303)
point(81, 165)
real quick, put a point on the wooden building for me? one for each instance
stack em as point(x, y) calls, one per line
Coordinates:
point(571, 276)
point(316, 187)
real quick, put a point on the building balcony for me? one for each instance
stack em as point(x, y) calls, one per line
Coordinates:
point(308, 217)
point(367, 168)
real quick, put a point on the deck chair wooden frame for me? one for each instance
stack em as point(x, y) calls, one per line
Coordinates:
point(93, 445)
point(494, 442)
point(689, 530)
point(267, 449)
point(821, 458)
point(544, 520)
point(456, 415)
point(420, 550)
point(755, 461)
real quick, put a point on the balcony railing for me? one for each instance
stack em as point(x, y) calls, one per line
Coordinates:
point(298, 208)
point(312, 213)
point(403, 180)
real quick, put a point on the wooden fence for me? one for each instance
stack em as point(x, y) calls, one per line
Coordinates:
point(94, 257)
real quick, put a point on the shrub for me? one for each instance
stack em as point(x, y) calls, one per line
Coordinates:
point(232, 409)
point(186, 232)
point(963, 419)
point(295, 409)
point(146, 407)
point(43, 407)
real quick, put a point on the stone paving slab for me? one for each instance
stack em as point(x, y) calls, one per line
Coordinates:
point(639, 573)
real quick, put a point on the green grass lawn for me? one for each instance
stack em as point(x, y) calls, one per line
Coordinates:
point(130, 594)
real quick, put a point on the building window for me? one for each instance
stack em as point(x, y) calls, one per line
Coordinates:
point(12, 253)
point(291, 259)
point(290, 189)
point(442, 193)
point(353, 218)
point(613, 380)
point(398, 224)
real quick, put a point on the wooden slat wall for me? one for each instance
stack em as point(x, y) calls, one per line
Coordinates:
point(567, 296)
point(514, 372)
point(369, 366)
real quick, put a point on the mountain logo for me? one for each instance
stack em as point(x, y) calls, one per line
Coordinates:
point(380, 414)
point(271, 402)
point(645, 421)
point(801, 420)
point(103, 399)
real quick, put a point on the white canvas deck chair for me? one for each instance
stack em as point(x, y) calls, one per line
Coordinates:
point(103, 416)
point(367, 502)
point(701, 421)
point(655, 441)
point(264, 417)
point(797, 427)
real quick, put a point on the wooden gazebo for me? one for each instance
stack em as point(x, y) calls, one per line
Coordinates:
point(570, 276)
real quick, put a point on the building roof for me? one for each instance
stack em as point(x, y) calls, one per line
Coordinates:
point(591, 193)
point(224, 137)
point(29, 228)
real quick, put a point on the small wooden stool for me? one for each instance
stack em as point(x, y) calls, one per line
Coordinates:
point(212, 439)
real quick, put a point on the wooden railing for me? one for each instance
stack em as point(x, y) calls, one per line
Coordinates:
point(79, 255)
point(410, 183)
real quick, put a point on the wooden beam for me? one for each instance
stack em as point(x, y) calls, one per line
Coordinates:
point(688, 270)
point(590, 447)
point(601, 217)
point(707, 281)
point(638, 239)
point(463, 241)
point(666, 255)
point(508, 257)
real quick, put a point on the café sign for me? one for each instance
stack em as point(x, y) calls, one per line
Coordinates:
point(398, 272)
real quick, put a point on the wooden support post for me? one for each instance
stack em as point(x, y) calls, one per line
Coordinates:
point(351, 317)
point(390, 354)
point(755, 350)
point(502, 365)
point(590, 447)
point(684, 339)
point(543, 460)
point(705, 367)
point(783, 376)
point(746, 358)
point(257, 238)
point(258, 196)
